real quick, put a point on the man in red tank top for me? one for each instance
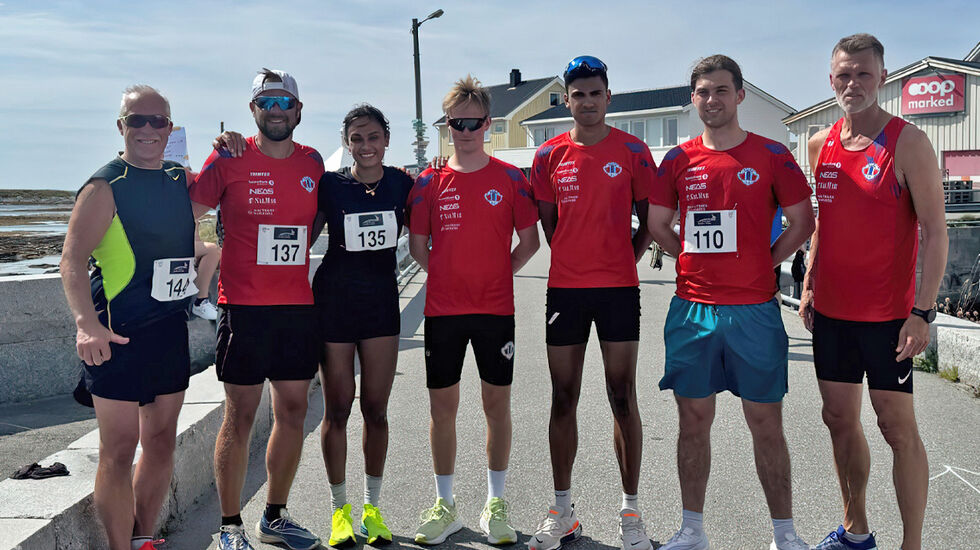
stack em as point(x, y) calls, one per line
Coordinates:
point(877, 181)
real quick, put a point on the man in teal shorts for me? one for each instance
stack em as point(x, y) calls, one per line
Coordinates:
point(724, 330)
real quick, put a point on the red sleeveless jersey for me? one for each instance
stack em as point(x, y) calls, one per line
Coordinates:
point(867, 237)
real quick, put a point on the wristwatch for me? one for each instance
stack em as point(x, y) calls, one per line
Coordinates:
point(928, 315)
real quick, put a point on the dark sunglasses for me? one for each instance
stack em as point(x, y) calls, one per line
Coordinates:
point(139, 121)
point(584, 65)
point(266, 102)
point(471, 124)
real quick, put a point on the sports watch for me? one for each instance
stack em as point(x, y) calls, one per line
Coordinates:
point(928, 315)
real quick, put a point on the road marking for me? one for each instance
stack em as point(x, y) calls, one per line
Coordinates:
point(955, 471)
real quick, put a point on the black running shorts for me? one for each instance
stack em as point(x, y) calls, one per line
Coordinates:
point(446, 337)
point(256, 343)
point(356, 309)
point(570, 312)
point(156, 361)
point(843, 351)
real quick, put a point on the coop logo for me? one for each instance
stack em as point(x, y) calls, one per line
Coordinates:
point(612, 169)
point(935, 87)
point(493, 197)
point(748, 176)
point(871, 170)
point(933, 94)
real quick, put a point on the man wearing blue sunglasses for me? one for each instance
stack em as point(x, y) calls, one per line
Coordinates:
point(586, 182)
point(267, 326)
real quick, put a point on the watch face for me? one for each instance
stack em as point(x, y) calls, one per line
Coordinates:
point(930, 315)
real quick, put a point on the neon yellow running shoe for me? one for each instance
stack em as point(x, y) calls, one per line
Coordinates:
point(437, 523)
point(342, 528)
point(494, 522)
point(373, 525)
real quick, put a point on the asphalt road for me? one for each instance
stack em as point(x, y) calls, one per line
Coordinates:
point(735, 514)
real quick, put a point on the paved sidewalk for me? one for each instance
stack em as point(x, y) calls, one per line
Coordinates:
point(735, 516)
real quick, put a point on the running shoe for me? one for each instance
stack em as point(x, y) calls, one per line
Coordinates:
point(151, 544)
point(232, 537)
point(494, 522)
point(342, 527)
point(373, 525)
point(632, 531)
point(437, 523)
point(686, 539)
point(558, 528)
point(836, 541)
point(792, 542)
point(205, 310)
point(286, 531)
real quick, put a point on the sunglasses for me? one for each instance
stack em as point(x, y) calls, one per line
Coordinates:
point(471, 124)
point(138, 121)
point(584, 65)
point(266, 102)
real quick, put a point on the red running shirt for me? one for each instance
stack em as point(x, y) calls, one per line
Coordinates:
point(752, 179)
point(594, 187)
point(264, 204)
point(471, 218)
point(867, 237)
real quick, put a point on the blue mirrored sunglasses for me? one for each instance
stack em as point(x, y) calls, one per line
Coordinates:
point(584, 64)
point(266, 102)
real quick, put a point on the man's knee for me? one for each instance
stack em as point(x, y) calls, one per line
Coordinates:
point(622, 398)
point(840, 421)
point(695, 418)
point(898, 433)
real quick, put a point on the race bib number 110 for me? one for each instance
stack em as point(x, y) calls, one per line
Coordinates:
point(711, 232)
point(281, 245)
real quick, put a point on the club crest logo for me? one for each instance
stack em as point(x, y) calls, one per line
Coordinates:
point(308, 184)
point(748, 176)
point(612, 169)
point(871, 170)
point(508, 350)
point(493, 197)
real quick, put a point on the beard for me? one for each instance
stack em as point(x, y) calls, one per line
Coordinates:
point(854, 107)
point(278, 133)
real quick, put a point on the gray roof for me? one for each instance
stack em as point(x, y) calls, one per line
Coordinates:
point(677, 96)
point(504, 99)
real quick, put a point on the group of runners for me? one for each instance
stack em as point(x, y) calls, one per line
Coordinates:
point(877, 181)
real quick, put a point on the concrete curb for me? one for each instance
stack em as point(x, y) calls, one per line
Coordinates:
point(958, 347)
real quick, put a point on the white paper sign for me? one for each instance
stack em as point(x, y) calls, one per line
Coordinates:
point(176, 150)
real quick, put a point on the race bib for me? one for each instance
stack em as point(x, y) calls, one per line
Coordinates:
point(173, 279)
point(281, 245)
point(370, 231)
point(710, 232)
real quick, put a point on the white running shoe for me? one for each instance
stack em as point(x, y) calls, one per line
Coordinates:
point(560, 527)
point(205, 311)
point(792, 542)
point(632, 531)
point(686, 539)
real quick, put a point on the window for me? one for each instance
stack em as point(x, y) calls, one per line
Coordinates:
point(542, 135)
point(500, 127)
point(670, 131)
point(655, 131)
point(554, 98)
point(623, 125)
point(638, 129)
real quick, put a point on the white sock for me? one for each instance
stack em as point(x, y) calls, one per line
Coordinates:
point(563, 499)
point(630, 501)
point(495, 483)
point(136, 542)
point(372, 489)
point(782, 530)
point(693, 521)
point(444, 488)
point(338, 494)
point(854, 537)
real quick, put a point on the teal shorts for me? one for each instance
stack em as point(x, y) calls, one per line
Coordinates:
point(740, 348)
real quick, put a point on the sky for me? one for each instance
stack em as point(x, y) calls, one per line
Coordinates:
point(63, 65)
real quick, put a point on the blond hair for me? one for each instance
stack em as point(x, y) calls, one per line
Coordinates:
point(467, 90)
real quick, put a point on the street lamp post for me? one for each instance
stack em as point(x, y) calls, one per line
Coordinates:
point(419, 125)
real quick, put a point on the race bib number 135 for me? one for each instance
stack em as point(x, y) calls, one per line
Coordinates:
point(370, 231)
point(281, 245)
point(711, 232)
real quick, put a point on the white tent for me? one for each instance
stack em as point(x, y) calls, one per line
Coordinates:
point(339, 159)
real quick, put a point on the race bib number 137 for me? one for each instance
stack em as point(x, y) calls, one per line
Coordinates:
point(281, 245)
point(711, 232)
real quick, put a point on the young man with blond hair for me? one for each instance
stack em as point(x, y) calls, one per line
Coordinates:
point(470, 208)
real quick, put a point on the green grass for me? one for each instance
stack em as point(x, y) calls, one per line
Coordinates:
point(952, 374)
point(206, 230)
point(928, 362)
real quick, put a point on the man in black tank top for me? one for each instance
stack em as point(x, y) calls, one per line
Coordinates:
point(133, 217)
